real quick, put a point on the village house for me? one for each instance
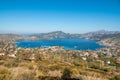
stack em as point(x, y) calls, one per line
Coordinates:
point(118, 60)
point(12, 54)
point(2, 53)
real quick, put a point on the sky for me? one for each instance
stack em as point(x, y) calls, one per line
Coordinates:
point(71, 16)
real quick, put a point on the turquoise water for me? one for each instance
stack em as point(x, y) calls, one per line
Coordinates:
point(68, 44)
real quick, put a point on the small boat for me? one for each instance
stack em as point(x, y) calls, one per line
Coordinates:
point(75, 46)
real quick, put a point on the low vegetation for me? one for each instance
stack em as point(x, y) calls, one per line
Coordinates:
point(57, 64)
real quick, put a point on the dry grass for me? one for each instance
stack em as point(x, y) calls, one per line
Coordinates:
point(4, 73)
point(93, 78)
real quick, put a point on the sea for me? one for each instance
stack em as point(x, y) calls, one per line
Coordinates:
point(65, 43)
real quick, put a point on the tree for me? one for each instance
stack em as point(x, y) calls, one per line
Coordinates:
point(66, 74)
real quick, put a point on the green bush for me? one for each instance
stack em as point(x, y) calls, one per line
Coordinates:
point(115, 78)
point(106, 69)
point(95, 67)
point(10, 64)
point(54, 67)
point(66, 74)
point(48, 78)
point(38, 57)
point(113, 64)
point(78, 64)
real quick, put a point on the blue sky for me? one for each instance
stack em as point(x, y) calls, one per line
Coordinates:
point(71, 16)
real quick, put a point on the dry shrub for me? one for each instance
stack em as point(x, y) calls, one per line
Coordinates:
point(4, 73)
point(55, 73)
point(54, 67)
point(28, 65)
point(2, 62)
point(22, 73)
point(25, 76)
point(92, 78)
point(48, 78)
point(66, 74)
point(117, 77)
point(75, 71)
point(10, 64)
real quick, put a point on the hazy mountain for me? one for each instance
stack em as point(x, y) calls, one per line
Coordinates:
point(51, 35)
point(10, 37)
point(59, 34)
point(98, 34)
point(110, 39)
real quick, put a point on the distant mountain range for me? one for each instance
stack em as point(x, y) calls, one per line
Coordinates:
point(50, 35)
point(7, 37)
point(101, 34)
point(97, 35)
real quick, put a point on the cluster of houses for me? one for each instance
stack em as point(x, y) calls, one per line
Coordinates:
point(10, 54)
point(11, 51)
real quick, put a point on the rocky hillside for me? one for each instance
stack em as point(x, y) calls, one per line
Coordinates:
point(51, 35)
point(111, 40)
point(6, 37)
point(98, 35)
